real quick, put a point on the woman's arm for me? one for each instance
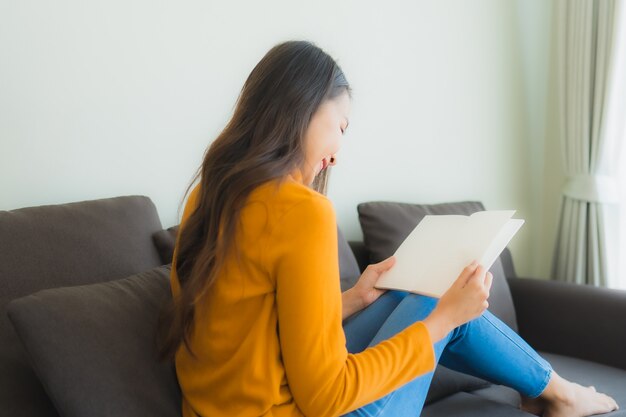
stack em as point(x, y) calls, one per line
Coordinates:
point(350, 303)
point(324, 379)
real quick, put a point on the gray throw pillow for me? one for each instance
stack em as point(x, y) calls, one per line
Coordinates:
point(93, 346)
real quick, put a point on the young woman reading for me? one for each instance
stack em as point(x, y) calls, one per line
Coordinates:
point(256, 325)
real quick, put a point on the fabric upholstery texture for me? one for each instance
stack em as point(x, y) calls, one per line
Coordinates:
point(60, 245)
point(463, 404)
point(165, 241)
point(573, 310)
point(605, 378)
point(447, 382)
point(348, 268)
point(93, 346)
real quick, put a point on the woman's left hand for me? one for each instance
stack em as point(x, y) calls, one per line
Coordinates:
point(364, 293)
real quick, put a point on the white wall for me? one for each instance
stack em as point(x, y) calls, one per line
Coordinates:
point(100, 99)
point(545, 173)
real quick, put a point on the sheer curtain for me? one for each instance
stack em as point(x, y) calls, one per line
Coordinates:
point(591, 101)
point(619, 279)
point(620, 276)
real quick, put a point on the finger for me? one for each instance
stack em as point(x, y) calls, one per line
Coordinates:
point(478, 277)
point(384, 265)
point(466, 273)
point(488, 281)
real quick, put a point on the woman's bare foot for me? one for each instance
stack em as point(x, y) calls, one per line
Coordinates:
point(568, 399)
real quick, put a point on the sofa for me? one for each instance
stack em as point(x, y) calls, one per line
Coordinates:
point(81, 285)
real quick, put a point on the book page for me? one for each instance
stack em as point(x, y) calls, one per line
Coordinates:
point(480, 230)
point(434, 254)
point(499, 243)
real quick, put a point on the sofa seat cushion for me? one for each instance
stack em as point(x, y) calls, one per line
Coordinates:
point(463, 404)
point(93, 346)
point(446, 382)
point(611, 381)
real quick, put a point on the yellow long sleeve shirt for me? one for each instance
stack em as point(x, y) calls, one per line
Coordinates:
point(269, 334)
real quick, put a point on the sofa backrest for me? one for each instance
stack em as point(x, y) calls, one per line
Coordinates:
point(64, 245)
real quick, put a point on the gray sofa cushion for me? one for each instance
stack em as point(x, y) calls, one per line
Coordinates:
point(59, 245)
point(609, 380)
point(386, 224)
point(463, 404)
point(348, 267)
point(165, 241)
point(93, 346)
point(447, 382)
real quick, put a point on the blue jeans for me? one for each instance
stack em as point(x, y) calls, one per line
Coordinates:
point(484, 347)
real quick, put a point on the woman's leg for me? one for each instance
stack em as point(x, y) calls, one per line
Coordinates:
point(512, 362)
point(407, 400)
point(487, 348)
point(360, 328)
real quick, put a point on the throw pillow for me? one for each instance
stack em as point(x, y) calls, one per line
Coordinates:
point(93, 346)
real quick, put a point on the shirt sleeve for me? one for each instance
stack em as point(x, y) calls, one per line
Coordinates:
point(324, 379)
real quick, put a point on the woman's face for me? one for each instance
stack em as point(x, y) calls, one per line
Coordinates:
point(323, 136)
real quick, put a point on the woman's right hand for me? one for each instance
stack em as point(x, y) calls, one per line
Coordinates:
point(465, 300)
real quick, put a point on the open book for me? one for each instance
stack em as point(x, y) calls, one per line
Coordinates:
point(432, 257)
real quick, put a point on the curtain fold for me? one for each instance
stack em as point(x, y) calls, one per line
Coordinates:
point(588, 81)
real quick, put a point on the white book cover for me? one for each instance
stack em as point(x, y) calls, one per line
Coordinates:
point(433, 255)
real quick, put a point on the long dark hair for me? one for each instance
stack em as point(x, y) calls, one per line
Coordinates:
point(263, 141)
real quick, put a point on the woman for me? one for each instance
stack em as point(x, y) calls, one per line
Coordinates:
point(255, 326)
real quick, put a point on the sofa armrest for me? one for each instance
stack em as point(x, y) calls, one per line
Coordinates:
point(581, 321)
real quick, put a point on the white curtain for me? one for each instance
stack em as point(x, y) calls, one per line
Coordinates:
point(620, 105)
point(590, 96)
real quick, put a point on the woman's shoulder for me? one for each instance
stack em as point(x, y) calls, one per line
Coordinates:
point(289, 194)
